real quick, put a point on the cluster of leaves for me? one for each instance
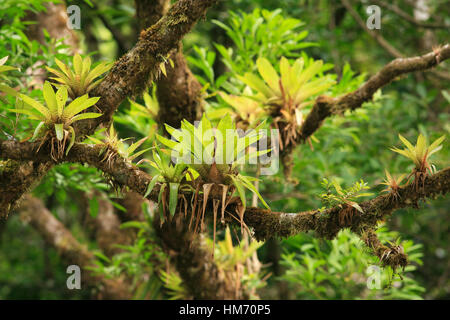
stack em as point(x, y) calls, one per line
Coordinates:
point(112, 146)
point(285, 96)
point(3, 87)
point(24, 52)
point(231, 257)
point(170, 175)
point(420, 153)
point(214, 153)
point(255, 35)
point(141, 118)
point(80, 80)
point(392, 183)
point(56, 118)
point(345, 196)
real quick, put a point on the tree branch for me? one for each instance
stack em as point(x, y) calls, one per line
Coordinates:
point(393, 256)
point(132, 73)
point(128, 77)
point(266, 224)
point(327, 106)
point(179, 91)
point(328, 223)
point(55, 234)
point(395, 9)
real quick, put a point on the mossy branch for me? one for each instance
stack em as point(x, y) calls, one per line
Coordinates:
point(325, 107)
point(265, 223)
point(133, 72)
point(129, 76)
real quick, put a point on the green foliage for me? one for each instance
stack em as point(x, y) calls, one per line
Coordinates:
point(344, 196)
point(255, 35)
point(140, 261)
point(295, 84)
point(214, 153)
point(245, 107)
point(113, 146)
point(173, 175)
point(419, 153)
point(173, 284)
point(391, 182)
point(229, 257)
point(55, 115)
point(3, 68)
point(347, 147)
point(337, 269)
point(80, 80)
point(141, 118)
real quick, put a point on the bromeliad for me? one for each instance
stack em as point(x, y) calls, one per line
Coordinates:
point(56, 118)
point(419, 154)
point(80, 80)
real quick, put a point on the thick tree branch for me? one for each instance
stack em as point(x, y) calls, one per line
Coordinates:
point(128, 77)
point(382, 41)
point(328, 223)
point(327, 106)
point(56, 235)
point(393, 256)
point(179, 91)
point(132, 73)
point(266, 224)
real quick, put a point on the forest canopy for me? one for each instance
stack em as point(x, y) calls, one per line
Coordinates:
point(201, 149)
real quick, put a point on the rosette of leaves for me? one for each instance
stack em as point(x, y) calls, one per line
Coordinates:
point(214, 153)
point(113, 147)
point(420, 154)
point(56, 118)
point(81, 80)
point(171, 178)
point(3, 87)
point(230, 258)
point(393, 184)
point(287, 93)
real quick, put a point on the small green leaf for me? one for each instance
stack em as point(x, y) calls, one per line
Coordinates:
point(72, 140)
point(38, 130)
point(59, 131)
point(239, 188)
point(151, 185)
point(173, 197)
point(50, 98)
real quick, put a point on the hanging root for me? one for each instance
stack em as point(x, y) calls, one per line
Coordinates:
point(346, 215)
point(216, 203)
point(56, 146)
point(393, 256)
